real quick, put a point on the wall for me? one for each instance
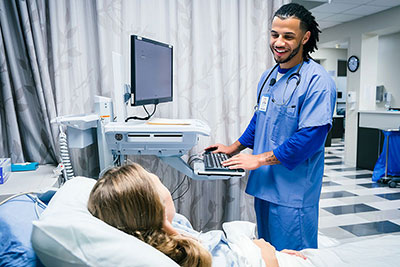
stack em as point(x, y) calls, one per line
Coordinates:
point(329, 60)
point(369, 72)
point(389, 67)
point(358, 33)
point(329, 57)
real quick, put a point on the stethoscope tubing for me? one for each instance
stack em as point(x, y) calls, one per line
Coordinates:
point(297, 73)
point(262, 86)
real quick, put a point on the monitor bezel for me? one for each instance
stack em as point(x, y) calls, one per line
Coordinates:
point(133, 73)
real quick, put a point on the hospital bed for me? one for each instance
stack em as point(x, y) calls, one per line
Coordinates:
point(65, 234)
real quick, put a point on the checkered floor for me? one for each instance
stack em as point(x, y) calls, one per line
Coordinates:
point(353, 207)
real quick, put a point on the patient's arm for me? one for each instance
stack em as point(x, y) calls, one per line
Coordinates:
point(294, 252)
point(267, 253)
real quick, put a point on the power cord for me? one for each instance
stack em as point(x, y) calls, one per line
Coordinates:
point(64, 155)
point(190, 161)
point(179, 185)
point(32, 195)
point(37, 201)
point(143, 118)
point(187, 189)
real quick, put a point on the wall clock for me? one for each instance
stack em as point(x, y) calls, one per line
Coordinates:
point(353, 63)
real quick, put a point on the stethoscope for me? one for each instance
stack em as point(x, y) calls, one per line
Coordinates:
point(293, 75)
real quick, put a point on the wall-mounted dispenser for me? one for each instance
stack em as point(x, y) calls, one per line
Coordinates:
point(388, 100)
point(379, 93)
point(352, 99)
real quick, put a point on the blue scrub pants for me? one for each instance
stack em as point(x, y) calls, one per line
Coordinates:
point(285, 227)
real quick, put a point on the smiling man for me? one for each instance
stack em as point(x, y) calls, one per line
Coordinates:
point(287, 39)
point(295, 103)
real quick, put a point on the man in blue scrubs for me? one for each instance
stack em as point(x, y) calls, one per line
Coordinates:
point(296, 100)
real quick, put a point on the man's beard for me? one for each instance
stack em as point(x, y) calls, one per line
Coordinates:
point(292, 55)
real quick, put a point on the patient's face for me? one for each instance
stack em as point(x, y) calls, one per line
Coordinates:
point(165, 197)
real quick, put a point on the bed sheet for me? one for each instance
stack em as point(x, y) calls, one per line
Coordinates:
point(228, 248)
point(231, 247)
point(374, 251)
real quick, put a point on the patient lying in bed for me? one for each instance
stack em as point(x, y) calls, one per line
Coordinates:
point(137, 203)
point(67, 234)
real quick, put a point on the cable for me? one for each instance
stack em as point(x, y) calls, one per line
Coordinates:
point(187, 189)
point(37, 202)
point(190, 160)
point(14, 196)
point(34, 198)
point(195, 157)
point(184, 178)
point(117, 160)
point(143, 118)
point(145, 109)
point(64, 154)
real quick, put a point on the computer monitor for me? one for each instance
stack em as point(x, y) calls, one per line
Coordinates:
point(151, 71)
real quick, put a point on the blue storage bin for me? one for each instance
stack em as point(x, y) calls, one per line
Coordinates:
point(393, 166)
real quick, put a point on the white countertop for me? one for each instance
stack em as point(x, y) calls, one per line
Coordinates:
point(27, 181)
point(380, 112)
point(379, 119)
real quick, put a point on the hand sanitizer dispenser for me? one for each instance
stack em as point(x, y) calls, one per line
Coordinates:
point(351, 99)
point(388, 100)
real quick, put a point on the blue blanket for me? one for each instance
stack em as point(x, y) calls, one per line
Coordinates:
point(16, 218)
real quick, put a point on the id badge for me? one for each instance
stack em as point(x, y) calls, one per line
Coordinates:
point(264, 103)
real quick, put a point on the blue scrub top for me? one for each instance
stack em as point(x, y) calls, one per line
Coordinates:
point(310, 104)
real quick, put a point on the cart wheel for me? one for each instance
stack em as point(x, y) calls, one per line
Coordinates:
point(384, 180)
point(392, 184)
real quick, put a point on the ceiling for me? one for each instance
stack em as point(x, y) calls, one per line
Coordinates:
point(329, 13)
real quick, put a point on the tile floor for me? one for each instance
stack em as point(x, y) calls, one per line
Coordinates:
point(353, 207)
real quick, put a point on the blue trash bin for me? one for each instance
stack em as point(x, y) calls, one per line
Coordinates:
point(387, 166)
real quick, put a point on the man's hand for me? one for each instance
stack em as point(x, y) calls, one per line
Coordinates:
point(251, 162)
point(243, 161)
point(220, 148)
point(229, 150)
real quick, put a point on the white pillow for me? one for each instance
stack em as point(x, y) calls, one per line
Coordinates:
point(68, 235)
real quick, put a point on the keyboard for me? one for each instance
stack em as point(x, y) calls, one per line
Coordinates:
point(212, 162)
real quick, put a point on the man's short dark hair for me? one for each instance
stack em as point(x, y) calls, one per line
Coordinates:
point(307, 23)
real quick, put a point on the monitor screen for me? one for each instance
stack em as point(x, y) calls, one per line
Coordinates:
point(151, 71)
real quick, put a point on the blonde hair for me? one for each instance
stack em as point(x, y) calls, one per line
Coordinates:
point(125, 197)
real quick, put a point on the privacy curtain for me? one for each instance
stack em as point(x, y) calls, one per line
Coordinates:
point(27, 101)
point(57, 55)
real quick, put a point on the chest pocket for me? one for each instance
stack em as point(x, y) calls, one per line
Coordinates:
point(285, 122)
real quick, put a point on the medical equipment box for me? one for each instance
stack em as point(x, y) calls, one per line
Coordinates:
point(26, 166)
point(5, 169)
